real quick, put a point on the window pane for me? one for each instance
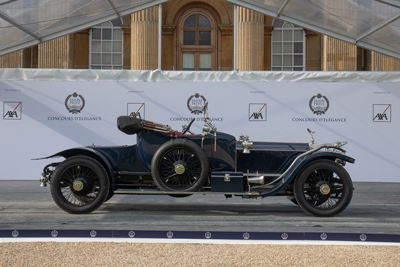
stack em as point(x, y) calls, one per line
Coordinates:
point(298, 47)
point(277, 35)
point(106, 24)
point(276, 69)
point(287, 35)
point(106, 46)
point(287, 48)
point(204, 22)
point(298, 69)
point(298, 60)
point(288, 25)
point(277, 60)
point(205, 61)
point(95, 67)
point(287, 69)
point(204, 38)
point(106, 59)
point(106, 67)
point(116, 22)
point(287, 60)
point(117, 34)
point(276, 47)
point(106, 34)
point(189, 38)
point(96, 59)
point(96, 46)
point(96, 34)
point(190, 22)
point(117, 46)
point(278, 23)
point(117, 59)
point(298, 35)
point(117, 67)
point(188, 61)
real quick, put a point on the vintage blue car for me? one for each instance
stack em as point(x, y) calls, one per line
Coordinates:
point(167, 162)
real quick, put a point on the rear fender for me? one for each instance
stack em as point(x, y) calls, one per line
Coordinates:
point(300, 164)
point(91, 153)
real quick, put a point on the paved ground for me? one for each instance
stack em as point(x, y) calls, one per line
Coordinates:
point(375, 208)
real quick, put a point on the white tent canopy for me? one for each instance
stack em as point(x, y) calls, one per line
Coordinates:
point(372, 24)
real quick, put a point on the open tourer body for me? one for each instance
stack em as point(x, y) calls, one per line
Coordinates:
point(167, 162)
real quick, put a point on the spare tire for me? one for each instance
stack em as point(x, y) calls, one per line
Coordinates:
point(179, 165)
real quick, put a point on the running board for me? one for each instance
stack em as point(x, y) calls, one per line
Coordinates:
point(156, 192)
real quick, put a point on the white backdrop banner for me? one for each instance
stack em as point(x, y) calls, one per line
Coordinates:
point(42, 117)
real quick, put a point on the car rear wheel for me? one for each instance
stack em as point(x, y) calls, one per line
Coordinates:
point(324, 188)
point(79, 185)
point(179, 165)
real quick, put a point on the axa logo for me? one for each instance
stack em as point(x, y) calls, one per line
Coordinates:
point(74, 103)
point(196, 104)
point(382, 113)
point(319, 104)
point(12, 110)
point(257, 112)
point(136, 110)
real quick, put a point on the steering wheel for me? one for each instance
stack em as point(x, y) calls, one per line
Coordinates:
point(188, 127)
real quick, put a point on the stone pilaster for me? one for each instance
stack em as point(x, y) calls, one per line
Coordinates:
point(144, 36)
point(250, 40)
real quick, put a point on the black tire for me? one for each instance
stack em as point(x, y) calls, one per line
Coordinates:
point(323, 188)
point(179, 165)
point(79, 185)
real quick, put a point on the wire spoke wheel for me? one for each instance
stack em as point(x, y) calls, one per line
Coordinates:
point(179, 165)
point(180, 168)
point(79, 185)
point(324, 188)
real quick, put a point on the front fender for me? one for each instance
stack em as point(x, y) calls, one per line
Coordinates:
point(297, 167)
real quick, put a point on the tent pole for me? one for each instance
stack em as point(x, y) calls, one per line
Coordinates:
point(159, 34)
point(235, 39)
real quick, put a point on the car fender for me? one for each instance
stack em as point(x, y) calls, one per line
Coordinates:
point(302, 162)
point(91, 153)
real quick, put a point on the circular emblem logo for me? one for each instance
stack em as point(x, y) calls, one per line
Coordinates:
point(74, 103)
point(363, 237)
point(131, 234)
point(15, 233)
point(324, 236)
point(170, 234)
point(208, 235)
point(93, 233)
point(285, 236)
point(54, 233)
point(319, 104)
point(246, 235)
point(196, 103)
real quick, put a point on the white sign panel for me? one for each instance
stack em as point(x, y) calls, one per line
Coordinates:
point(41, 118)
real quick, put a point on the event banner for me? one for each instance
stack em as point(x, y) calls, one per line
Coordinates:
point(43, 117)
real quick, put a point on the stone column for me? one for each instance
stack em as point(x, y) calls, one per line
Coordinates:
point(144, 36)
point(250, 40)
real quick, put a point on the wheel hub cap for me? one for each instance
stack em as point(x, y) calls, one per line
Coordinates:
point(324, 189)
point(179, 168)
point(78, 185)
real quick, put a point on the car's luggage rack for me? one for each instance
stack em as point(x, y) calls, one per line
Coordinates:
point(158, 127)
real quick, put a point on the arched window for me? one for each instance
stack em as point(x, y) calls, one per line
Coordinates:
point(287, 47)
point(197, 40)
point(106, 46)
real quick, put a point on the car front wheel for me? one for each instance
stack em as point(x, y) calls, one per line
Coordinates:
point(323, 188)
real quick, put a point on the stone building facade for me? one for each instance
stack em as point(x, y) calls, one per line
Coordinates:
point(198, 35)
